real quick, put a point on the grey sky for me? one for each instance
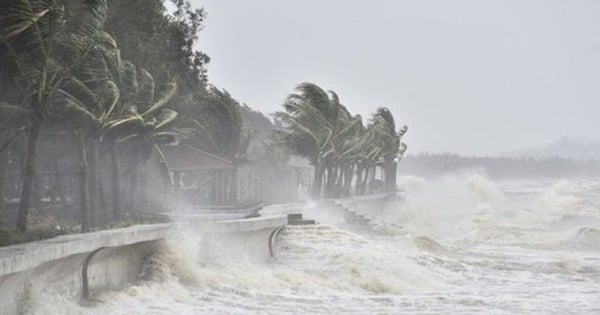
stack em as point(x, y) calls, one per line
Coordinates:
point(471, 77)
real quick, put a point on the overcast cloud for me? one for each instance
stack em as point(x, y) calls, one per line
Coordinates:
point(472, 77)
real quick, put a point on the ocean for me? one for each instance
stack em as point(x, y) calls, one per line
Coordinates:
point(460, 244)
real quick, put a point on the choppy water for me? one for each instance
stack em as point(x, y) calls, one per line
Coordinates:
point(461, 244)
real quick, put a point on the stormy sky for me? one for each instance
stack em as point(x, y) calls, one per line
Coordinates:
point(466, 76)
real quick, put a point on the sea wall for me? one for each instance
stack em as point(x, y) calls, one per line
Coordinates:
point(369, 206)
point(359, 210)
point(82, 264)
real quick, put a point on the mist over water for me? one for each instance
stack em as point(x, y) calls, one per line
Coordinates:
point(457, 244)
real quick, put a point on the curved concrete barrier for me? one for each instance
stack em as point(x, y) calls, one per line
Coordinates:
point(84, 273)
point(272, 238)
point(82, 264)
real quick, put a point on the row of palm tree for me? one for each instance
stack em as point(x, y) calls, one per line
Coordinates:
point(344, 151)
point(216, 127)
point(65, 89)
point(68, 73)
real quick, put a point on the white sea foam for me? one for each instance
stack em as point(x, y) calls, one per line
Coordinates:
point(462, 245)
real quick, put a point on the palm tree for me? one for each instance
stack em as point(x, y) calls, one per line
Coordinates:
point(43, 50)
point(215, 126)
point(384, 127)
point(320, 128)
point(309, 120)
point(142, 127)
point(96, 97)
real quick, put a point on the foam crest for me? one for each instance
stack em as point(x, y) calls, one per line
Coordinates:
point(445, 207)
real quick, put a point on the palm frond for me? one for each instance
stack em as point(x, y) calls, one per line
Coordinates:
point(75, 89)
point(13, 116)
point(165, 119)
point(78, 114)
point(121, 128)
point(110, 98)
point(166, 94)
point(146, 88)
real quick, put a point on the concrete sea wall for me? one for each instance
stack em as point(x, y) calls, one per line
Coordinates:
point(82, 264)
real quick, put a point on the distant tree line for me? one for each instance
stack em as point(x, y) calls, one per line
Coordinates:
point(499, 167)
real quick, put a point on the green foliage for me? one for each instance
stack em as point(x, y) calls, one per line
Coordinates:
point(320, 128)
point(161, 43)
point(255, 120)
point(40, 228)
point(215, 125)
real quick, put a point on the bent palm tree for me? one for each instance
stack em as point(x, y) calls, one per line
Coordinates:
point(309, 119)
point(43, 49)
point(216, 127)
point(144, 126)
point(384, 127)
point(320, 128)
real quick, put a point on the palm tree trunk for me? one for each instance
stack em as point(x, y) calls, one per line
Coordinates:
point(116, 181)
point(143, 190)
point(387, 175)
point(3, 167)
point(348, 177)
point(213, 187)
point(84, 189)
point(224, 187)
point(102, 200)
point(234, 190)
point(58, 185)
point(341, 184)
point(328, 175)
point(393, 175)
point(369, 172)
point(134, 188)
point(163, 167)
point(36, 195)
point(331, 180)
point(318, 181)
point(94, 182)
point(358, 184)
point(28, 173)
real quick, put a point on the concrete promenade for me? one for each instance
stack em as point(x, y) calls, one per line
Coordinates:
point(80, 264)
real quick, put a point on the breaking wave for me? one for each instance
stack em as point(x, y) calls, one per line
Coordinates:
point(458, 244)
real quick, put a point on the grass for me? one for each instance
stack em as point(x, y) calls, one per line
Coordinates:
point(41, 228)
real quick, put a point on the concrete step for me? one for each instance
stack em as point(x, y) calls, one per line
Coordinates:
point(302, 222)
point(294, 216)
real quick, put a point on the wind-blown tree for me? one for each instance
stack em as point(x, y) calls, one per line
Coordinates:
point(88, 110)
point(104, 101)
point(219, 125)
point(320, 128)
point(164, 44)
point(309, 123)
point(112, 86)
point(12, 121)
point(40, 47)
point(389, 140)
point(215, 126)
point(143, 128)
point(342, 149)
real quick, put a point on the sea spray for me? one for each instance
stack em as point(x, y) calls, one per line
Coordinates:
point(462, 245)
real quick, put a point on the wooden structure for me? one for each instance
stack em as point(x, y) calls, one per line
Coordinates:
point(199, 177)
point(203, 179)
